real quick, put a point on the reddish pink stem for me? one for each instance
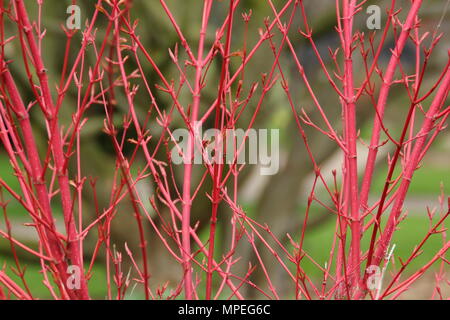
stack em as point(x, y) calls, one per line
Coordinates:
point(351, 167)
point(382, 101)
point(411, 166)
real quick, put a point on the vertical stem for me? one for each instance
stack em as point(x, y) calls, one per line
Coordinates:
point(382, 99)
point(218, 167)
point(351, 168)
point(187, 201)
point(123, 162)
point(51, 243)
point(57, 148)
point(411, 166)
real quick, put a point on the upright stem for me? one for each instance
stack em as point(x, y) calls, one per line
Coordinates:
point(351, 168)
point(218, 167)
point(123, 163)
point(411, 166)
point(382, 99)
point(187, 201)
point(57, 148)
point(51, 241)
